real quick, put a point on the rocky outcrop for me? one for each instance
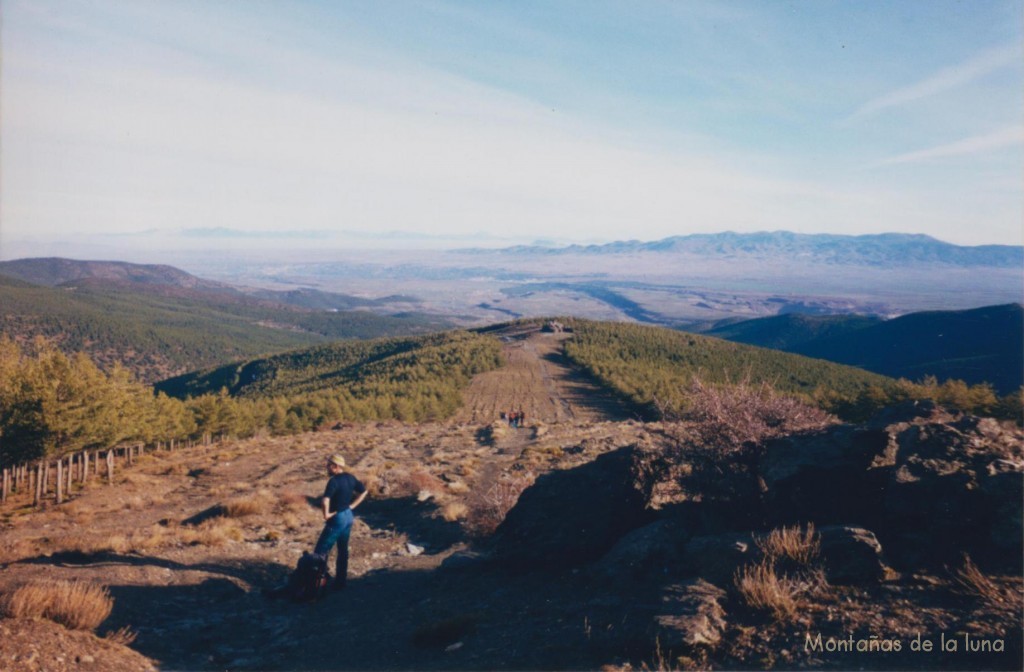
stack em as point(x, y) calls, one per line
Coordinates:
point(692, 616)
point(717, 557)
point(930, 485)
point(571, 517)
point(652, 549)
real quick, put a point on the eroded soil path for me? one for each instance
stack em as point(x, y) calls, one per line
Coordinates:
point(539, 381)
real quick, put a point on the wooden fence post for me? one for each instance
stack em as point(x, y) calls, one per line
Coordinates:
point(37, 496)
point(85, 466)
point(6, 485)
point(46, 477)
point(71, 472)
point(60, 480)
point(110, 466)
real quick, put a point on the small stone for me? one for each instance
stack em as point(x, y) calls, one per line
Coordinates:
point(414, 549)
point(87, 660)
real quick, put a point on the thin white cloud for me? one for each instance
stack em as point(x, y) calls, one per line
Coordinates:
point(944, 80)
point(999, 139)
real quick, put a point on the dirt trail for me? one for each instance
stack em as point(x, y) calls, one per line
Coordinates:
point(540, 381)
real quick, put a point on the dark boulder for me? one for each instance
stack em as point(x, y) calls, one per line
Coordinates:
point(716, 558)
point(653, 549)
point(572, 517)
point(692, 617)
point(834, 475)
point(851, 555)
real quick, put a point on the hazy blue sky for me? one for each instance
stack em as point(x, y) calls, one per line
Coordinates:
point(282, 121)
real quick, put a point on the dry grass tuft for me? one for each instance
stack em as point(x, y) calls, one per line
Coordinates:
point(123, 636)
point(74, 604)
point(293, 502)
point(970, 581)
point(792, 545)
point(213, 532)
point(240, 507)
point(764, 590)
point(453, 511)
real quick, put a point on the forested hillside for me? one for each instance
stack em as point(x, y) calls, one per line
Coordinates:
point(983, 345)
point(790, 331)
point(52, 404)
point(654, 367)
point(157, 331)
point(433, 365)
point(653, 364)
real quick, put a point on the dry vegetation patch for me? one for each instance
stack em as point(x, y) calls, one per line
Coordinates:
point(77, 605)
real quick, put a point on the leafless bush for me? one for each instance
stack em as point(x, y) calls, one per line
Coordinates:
point(74, 604)
point(728, 416)
point(488, 508)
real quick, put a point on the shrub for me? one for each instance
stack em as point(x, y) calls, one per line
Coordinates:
point(488, 508)
point(77, 605)
point(728, 416)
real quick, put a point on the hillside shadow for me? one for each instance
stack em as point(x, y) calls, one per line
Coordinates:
point(254, 573)
point(416, 519)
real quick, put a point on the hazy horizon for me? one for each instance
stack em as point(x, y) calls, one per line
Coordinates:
point(296, 123)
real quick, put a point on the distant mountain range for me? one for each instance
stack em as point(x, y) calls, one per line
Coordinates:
point(979, 345)
point(886, 249)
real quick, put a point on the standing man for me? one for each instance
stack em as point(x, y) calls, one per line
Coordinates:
point(344, 492)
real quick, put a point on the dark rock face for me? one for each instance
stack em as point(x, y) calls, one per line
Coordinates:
point(717, 557)
point(692, 616)
point(929, 485)
point(651, 549)
point(571, 517)
point(851, 555)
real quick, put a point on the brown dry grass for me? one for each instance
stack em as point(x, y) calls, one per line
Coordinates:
point(453, 511)
point(240, 507)
point(293, 502)
point(970, 581)
point(793, 545)
point(123, 636)
point(765, 590)
point(77, 605)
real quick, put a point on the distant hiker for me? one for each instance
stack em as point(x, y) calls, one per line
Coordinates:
point(522, 417)
point(344, 492)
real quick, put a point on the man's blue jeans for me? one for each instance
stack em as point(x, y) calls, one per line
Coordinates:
point(336, 531)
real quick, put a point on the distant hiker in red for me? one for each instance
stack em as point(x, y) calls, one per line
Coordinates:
point(344, 492)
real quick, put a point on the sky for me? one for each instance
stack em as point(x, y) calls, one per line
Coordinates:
point(281, 124)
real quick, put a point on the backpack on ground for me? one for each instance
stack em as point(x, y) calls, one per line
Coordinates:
point(310, 578)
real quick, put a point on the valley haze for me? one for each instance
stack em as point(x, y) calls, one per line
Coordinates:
point(683, 281)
